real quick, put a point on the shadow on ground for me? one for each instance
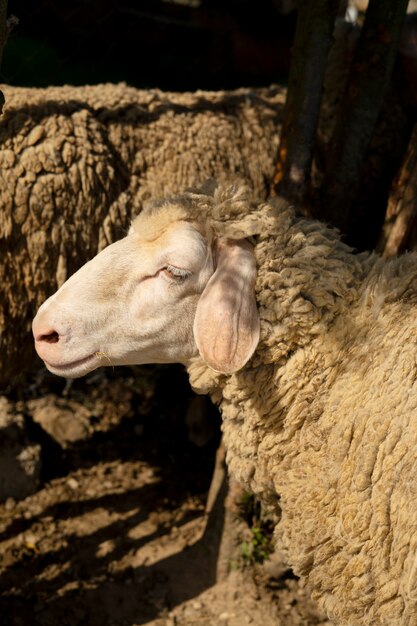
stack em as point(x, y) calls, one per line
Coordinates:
point(117, 533)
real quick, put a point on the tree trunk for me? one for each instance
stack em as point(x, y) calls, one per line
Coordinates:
point(315, 23)
point(367, 85)
point(4, 31)
point(400, 230)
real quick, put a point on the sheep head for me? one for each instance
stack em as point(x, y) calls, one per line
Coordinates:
point(173, 288)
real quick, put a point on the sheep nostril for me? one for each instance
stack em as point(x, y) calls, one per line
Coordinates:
point(52, 337)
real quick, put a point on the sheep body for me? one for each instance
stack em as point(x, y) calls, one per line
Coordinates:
point(319, 421)
point(77, 162)
point(323, 415)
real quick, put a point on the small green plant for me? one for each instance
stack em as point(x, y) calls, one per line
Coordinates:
point(258, 546)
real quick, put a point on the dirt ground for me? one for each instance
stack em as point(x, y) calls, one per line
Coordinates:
point(117, 533)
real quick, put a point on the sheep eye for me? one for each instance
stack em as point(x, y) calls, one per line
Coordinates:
point(175, 273)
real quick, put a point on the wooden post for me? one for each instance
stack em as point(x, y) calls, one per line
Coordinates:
point(400, 229)
point(367, 85)
point(313, 36)
point(3, 37)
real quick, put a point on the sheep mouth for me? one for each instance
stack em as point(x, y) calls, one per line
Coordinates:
point(73, 369)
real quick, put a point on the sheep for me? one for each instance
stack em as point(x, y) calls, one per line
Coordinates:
point(77, 162)
point(308, 348)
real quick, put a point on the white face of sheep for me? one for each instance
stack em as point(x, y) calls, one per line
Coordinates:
point(161, 298)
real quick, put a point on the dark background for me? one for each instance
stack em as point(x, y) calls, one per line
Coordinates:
point(205, 44)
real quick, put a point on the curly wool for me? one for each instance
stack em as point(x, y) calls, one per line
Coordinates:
point(322, 415)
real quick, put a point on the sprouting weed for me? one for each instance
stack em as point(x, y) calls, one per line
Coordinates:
point(258, 549)
point(259, 546)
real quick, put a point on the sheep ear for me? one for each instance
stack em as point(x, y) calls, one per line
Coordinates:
point(226, 325)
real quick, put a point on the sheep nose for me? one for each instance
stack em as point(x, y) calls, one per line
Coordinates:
point(51, 336)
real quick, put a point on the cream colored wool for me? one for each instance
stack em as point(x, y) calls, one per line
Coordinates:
point(321, 420)
point(76, 163)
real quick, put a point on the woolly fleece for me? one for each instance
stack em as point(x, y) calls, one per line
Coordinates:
point(320, 422)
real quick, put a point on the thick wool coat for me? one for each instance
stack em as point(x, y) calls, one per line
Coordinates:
point(321, 421)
